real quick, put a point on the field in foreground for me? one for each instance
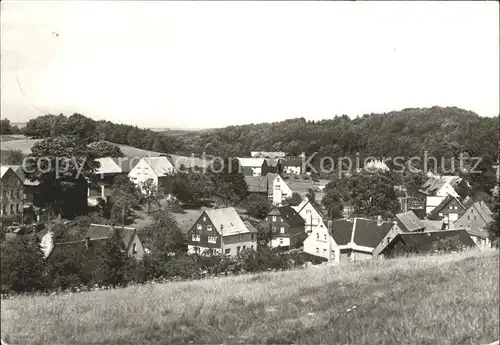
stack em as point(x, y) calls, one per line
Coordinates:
point(451, 299)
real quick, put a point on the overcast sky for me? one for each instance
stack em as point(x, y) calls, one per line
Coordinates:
point(211, 64)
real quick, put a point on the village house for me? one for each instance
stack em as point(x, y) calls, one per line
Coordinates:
point(427, 241)
point(95, 240)
point(311, 215)
point(436, 188)
point(12, 192)
point(286, 227)
point(449, 210)
point(358, 238)
point(292, 165)
point(253, 166)
point(274, 165)
point(221, 231)
point(264, 154)
point(257, 185)
point(158, 169)
point(320, 242)
point(278, 189)
point(475, 221)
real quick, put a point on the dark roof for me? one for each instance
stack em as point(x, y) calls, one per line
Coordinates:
point(256, 184)
point(408, 221)
point(425, 240)
point(91, 251)
point(273, 162)
point(342, 231)
point(446, 201)
point(368, 233)
point(292, 161)
point(289, 215)
point(100, 231)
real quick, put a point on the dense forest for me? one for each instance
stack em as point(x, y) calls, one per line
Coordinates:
point(443, 132)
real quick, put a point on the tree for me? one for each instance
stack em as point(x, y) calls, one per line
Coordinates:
point(62, 165)
point(163, 236)
point(192, 187)
point(494, 226)
point(257, 206)
point(67, 268)
point(150, 192)
point(113, 262)
point(12, 157)
point(332, 201)
point(106, 149)
point(229, 184)
point(7, 128)
point(22, 265)
point(294, 200)
point(412, 181)
point(124, 199)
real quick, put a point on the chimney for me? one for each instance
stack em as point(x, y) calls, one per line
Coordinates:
point(87, 241)
point(379, 220)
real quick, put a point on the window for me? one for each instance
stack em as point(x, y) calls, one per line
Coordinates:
point(212, 239)
point(325, 253)
point(4, 194)
point(244, 247)
point(196, 238)
point(325, 237)
point(18, 208)
point(238, 250)
point(134, 248)
point(317, 235)
point(471, 210)
point(12, 193)
point(252, 237)
point(251, 246)
point(317, 251)
point(468, 217)
point(388, 239)
point(11, 208)
point(204, 218)
point(277, 187)
point(227, 251)
point(277, 179)
point(4, 209)
point(308, 212)
point(198, 226)
point(274, 229)
point(274, 218)
point(209, 228)
point(475, 217)
point(282, 230)
point(267, 219)
point(281, 241)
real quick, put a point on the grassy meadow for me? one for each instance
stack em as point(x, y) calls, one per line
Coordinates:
point(449, 299)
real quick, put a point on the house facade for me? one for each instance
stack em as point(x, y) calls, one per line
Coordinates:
point(221, 231)
point(475, 221)
point(253, 166)
point(12, 196)
point(449, 210)
point(279, 191)
point(312, 217)
point(292, 165)
point(159, 169)
point(286, 227)
point(320, 242)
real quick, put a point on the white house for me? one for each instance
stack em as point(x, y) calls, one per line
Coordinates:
point(320, 242)
point(155, 168)
point(279, 191)
point(309, 213)
point(437, 188)
point(252, 166)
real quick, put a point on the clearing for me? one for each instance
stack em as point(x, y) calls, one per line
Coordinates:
point(449, 299)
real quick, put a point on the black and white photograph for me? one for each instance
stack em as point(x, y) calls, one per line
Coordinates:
point(250, 172)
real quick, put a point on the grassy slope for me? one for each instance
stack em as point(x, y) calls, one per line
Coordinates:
point(431, 300)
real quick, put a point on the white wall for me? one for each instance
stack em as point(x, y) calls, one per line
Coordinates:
point(292, 170)
point(281, 191)
point(142, 172)
point(310, 216)
point(315, 244)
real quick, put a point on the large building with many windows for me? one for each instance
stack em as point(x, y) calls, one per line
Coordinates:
point(12, 192)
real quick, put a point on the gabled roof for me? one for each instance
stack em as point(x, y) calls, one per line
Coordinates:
point(251, 162)
point(257, 184)
point(483, 210)
point(433, 224)
point(108, 166)
point(292, 161)
point(229, 219)
point(408, 221)
point(290, 216)
point(434, 183)
point(446, 201)
point(425, 240)
point(126, 163)
point(4, 169)
point(361, 231)
point(101, 231)
point(187, 162)
point(273, 162)
point(303, 204)
point(368, 233)
point(161, 165)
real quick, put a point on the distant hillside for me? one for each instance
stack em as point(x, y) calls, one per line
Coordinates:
point(450, 299)
point(443, 132)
